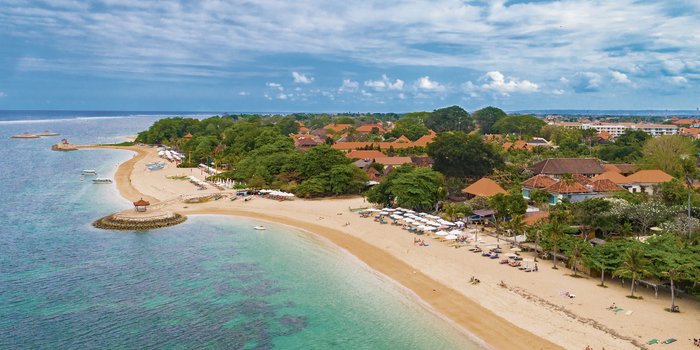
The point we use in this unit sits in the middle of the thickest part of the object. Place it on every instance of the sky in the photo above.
(348, 56)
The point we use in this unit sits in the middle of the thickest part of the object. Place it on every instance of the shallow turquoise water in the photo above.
(213, 282)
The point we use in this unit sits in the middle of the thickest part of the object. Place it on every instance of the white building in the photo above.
(617, 129)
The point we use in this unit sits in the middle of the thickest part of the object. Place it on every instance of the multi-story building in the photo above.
(617, 129)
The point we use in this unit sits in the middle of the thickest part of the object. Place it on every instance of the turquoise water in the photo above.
(213, 282)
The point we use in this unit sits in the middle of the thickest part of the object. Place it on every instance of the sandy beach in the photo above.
(528, 312)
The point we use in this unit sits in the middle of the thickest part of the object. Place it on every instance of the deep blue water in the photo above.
(212, 282)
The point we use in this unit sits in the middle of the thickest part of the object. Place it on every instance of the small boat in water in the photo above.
(89, 172)
(259, 227)
(48, 133)
(26, 135)
(101, 181)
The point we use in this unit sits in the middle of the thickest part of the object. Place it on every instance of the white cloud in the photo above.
(3, 94)
(558, 92)
(243, 93)
(275, 86)
(402, 96)
(365, 93)
(620, 77)
(680, 80)
(348, 86)
(585, 82)
(301, 78)
(495, 81)
(385, 84)
(424, 83)
(282, 96)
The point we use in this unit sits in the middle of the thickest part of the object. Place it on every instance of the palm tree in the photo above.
(556, 233)
(576, 255)
(674, 274)
(516, 224)
(634, 266)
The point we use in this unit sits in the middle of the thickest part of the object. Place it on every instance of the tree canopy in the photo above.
(487, 117)
(521, 125)
(456, 154)
(452, 118)
(409, 187)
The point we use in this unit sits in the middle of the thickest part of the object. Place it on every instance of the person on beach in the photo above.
(612, 307)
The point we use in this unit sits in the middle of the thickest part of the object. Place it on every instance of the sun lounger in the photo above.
(618, 310)
(653, 341)
(669, 341)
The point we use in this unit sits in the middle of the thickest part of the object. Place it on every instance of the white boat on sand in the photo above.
(259, 227)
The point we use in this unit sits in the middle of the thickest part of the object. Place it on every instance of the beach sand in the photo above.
(528, 313)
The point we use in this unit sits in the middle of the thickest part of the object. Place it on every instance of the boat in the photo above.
(89, 172)
(100, 180)
(48, 133)
(259, 227)
(25, 135)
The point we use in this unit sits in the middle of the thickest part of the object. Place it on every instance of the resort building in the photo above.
(646, 181)
(617, 129)
(556, 167)
(484, 187)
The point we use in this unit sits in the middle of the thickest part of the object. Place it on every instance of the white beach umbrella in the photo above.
(428, 228)
(441, 233)
(451, 237)
(456, 232)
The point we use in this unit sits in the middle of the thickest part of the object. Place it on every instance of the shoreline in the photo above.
(477, 323)
(528, 313)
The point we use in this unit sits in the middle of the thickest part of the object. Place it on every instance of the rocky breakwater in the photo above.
(139, 221)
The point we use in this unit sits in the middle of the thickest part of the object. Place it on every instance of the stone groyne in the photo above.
(139, 221)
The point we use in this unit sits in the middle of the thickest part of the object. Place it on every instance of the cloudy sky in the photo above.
(319, 55)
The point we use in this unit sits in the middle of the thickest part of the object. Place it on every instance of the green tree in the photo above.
(487, 117)
(577, 252)
(632, 138)
(540, 198)
(521, 125)
(410, 126)
(456, 154)
(346, 178)
(634, 266)
(666, 153)
(606, 257)
(409, 187)
(288, 125)
(452, 118)
(555, 231)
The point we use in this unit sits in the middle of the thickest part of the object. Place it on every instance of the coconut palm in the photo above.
(634, 266)
(576, 255)
(674, 274)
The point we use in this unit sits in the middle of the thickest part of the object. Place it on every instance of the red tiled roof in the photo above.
(605, 185)
(612, 176)
(362, 154)
(484, 187)
(560, 166)
(649, 176)
(539, 181)
(563, 187)
(367, 128)
(393, 160)
(141, 203)
(533, 218)
(581, 179)
(424, 140)
(337, 127)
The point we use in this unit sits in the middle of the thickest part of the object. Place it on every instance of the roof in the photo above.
(141, 203)
(337, 127)
(369, 154)
(362, 163)
(581, 179)
(563, 187)
(424, 140)
(393, 160)
(605, 185)
(560, 166)
(484, 212)
(367, 128)
(539, 181)
(685, 121)
(621, 168)
(649, 176)
(346, 146)
(484, 187)
(534, 217)
(307, 141)
(612, 176)
(188, 136)
(402, 139)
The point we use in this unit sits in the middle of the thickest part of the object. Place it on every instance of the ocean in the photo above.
(212, 282)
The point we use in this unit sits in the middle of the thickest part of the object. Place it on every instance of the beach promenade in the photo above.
(527, 311)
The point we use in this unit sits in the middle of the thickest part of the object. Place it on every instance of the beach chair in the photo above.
(669, 340)
(653, 341)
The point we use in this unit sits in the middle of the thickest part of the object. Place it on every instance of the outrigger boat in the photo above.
(89, 172)
(102, 181)
(259, 227)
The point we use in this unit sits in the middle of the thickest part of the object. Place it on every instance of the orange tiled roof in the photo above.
(539, 181)
(484, 187)
(563, 187)
(613, 176)
(685, 121)
(424, 140)
(649, 176)
(393, 160)
(581, 179)
(365, 154)
(605, 185)
(533, 218)
(367, 128)
(337, 127)
(402, 139)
